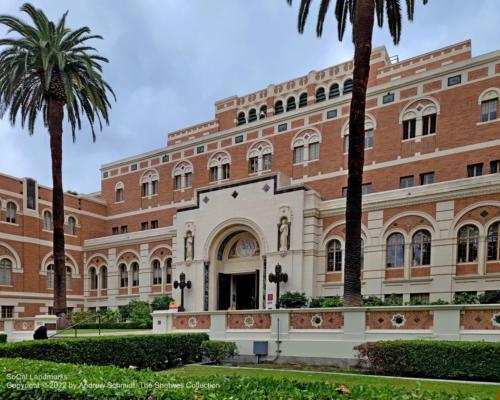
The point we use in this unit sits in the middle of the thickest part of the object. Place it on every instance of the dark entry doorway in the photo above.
(240, 291)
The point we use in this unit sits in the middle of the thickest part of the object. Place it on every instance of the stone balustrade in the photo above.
(328, 335)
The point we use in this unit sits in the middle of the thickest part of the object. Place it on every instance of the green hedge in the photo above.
(39, 380)
(434, 359)
(3, 338)
(141, 351)
(218, 350)
(116, 325)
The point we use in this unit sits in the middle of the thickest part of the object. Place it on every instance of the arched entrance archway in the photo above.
(236, 263)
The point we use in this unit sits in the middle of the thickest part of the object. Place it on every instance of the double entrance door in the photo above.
(238, 291)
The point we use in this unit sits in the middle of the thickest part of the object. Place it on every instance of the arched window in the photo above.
(168, 271)
(334, 91)
(278, 107)
(50, 276)
(93, 278)
(69, 277)
(5, 271)
(72, 226)
(493, 240)
(320, 95)
(156, 273)
(219, 166)
(290, 104)
(419, 118)
(47, 220)
(119, 192)
(11, 212)
(370, 125)
(149, 183)
(303, 100)
(260, 157)
(421, 248)
(306, 146)
(252, 115)
(263, 112)
(395, 250)
(489, 104)
(333, 256)
(241, 118)
(123, 276)
(347, 86)
(104, 277)
(183, 175)
(135, 274)
(468, 238)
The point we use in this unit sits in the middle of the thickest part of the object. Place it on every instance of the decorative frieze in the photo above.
(414, 319)
(316, 320)
(480, 319)
(192, 321)
(248, 321)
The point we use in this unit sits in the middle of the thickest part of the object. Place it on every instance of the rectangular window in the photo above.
(331, 114)
(115, 230)
(189, 179)
(454, 80)
(133, 167)
(344, 191)
(144, 226)
(225, 171)
(494, 167)
(388, 98)
(154, 187)
(145, 189)
(267, 162)
(178, 181)
(406, 182)
(200, 149)
(314, 151)
(429, 124)
(165, 158)
(105, 174)
(214, 173)
(409, 128)
(119, 195)
(7, 311)
(253, 165)
(489, 110)
(427, 178)
(418, 299)
(238, 139)
(30, 194)
(298, 155)
(154, 224)
(124, 229)
(369, 138)
(367, 188)
(474, 170)
(282, 127)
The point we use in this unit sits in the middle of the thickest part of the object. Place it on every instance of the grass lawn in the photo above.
(85, 331)
(482, 391)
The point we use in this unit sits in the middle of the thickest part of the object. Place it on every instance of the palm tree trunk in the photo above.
(363, 30)
(56, 114)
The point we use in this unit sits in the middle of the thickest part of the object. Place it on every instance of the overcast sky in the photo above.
(170, 60)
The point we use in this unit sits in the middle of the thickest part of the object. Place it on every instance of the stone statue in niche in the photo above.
(284, 231)
(189, 246)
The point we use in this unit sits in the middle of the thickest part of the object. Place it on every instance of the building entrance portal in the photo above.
(238, 272)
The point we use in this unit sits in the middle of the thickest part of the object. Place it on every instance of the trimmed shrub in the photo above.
(142, 351)
(161, 302)
(465, 298)
(293, 300)
(434, 359)
(218, 350)
(116, 325)
(325, 302)
(3, 338)
(91, 383)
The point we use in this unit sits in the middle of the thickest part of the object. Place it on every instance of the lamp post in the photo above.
(278, 277)
(182, 284)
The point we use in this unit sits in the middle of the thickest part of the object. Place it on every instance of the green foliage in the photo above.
(114, 325)
(439, 302)
(90, 383)
(218, 350)
(437, 359)
(109, 316)
(161, 302)
(3, 338)
(372, 301)
(325, 302)
(293, 300)
(465, 298)
(142, 351)
(140, 313)
(80, 316)
(490, 297)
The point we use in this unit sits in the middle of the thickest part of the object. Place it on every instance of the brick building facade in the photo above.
(264, 183)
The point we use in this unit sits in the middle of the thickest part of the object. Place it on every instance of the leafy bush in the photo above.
(142, 351)
(90, 383)
(490, 297)
(372, 301)
(140, 313)
(439, 302)
(115, 325)
(161, 302)
(293, 300)
(3, 338)
(218, 350)
(333, 301)
(109, 316)
(434, 359)
(465, 298)
(79, 316)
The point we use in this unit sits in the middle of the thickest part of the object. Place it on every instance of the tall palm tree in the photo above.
(361, 14)
(49, 69)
